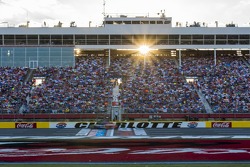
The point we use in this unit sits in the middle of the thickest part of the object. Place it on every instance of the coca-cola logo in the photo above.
(221, 124)
(25, 125)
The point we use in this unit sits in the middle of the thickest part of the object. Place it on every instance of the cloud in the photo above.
(83, 11)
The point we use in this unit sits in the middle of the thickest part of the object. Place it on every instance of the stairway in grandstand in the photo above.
(115, 108)
(176, 62)
(27, 78)
(204, 101)
(29, 75)
(245, 62)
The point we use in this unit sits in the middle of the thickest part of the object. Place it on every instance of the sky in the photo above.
(17, 12)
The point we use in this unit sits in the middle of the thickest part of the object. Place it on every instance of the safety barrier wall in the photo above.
(131, 124)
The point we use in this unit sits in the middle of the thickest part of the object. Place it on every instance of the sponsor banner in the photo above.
(221, 124)
(132, 124)
(25, 125)
(162, 125)
(61, 125)
(193, 125)
(97, 132)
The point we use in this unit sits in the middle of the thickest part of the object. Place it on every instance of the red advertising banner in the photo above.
(221, 124)
(25, 125)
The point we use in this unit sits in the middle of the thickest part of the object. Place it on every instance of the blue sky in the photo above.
(17, 12)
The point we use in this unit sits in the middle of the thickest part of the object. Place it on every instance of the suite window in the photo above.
(56, 39)
(162, 37)
(115, 42)
(244, 36)
(138, 40)
(117, 22)
(162, 40)
(208, 39)
(44, 39)
(144, 22)
(32, 39)
(103, 42)
(173, 39)
(20, 39)
(221, 36)
(127, 37)
(127, 22)
(150, 37)
(186, 39)
(115, 37)
(135, 22)
(138, 37)
(233, 41)
(197, 42)
(80, 40)
(103, 39)
(1, 40)
(9, 40)
(109, 22)
(68, 40)
(103, 36)
(197, 36)
(221, 42)
(91, 36)
(208, 36)
(244, 39)
(91, 42)
(233, 36)
(127, 42)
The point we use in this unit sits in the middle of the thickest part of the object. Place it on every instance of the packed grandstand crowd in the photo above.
(158, 87)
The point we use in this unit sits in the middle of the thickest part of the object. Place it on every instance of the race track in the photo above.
(151, 132)
(120, 145)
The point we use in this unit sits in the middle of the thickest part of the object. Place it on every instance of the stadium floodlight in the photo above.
(144, 49)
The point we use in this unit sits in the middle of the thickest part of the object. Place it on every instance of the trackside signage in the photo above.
(132, 124)
(221, 124)
(25, 125)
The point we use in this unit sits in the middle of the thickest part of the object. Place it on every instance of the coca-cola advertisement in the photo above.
(221, 124)
(25, 125)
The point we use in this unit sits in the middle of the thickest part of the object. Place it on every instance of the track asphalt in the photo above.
(150, 132)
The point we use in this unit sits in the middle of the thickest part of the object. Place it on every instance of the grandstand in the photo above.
(93, 73)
